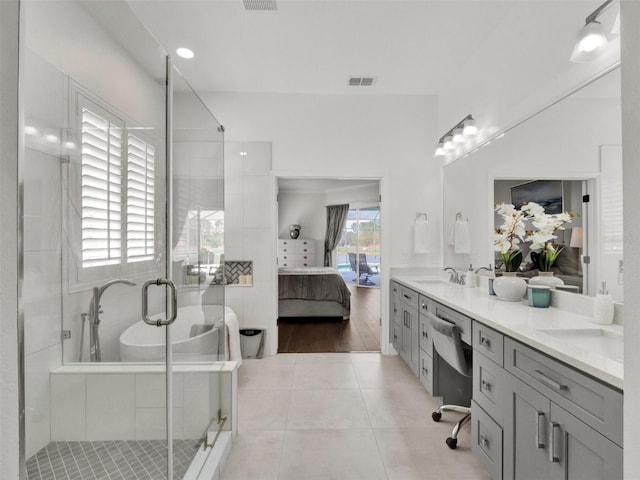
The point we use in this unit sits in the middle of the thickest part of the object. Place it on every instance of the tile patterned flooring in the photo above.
(115, 460)
(344, 416)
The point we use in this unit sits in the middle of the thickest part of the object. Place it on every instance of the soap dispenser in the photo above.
(603, 307)
(470, 277)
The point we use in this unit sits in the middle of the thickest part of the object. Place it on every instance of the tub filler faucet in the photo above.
(94, 319)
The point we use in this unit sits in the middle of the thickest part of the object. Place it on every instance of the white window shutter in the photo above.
(140, 200)
(101, 190)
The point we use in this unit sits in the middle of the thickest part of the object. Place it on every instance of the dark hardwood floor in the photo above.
(359, 334)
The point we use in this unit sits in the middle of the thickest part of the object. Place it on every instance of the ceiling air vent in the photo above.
(260, 5)
(361, 81)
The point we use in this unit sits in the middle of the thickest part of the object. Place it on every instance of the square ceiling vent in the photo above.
(260, 5)
(361, 81)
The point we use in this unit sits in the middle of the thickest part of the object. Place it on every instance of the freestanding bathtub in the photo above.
(195, 335)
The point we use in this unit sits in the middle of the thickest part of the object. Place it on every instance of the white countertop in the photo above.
(523, 323)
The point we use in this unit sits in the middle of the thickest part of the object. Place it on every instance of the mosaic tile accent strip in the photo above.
(233, 270)
(113, 460)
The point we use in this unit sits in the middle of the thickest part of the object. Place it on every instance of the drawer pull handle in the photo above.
(485, 385)
(425, 372)
(540, 430)
(425, 334)
(423, 306)
(484, 341)
(549, 382)
(406, 296)
(554, 454)
(484, 441)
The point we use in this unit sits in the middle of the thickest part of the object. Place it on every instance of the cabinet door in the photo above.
(579, 451)
(396, 337)
(526, 424)
(410, 340)
(395, 314)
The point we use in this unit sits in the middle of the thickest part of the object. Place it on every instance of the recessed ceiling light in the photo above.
(185, 52)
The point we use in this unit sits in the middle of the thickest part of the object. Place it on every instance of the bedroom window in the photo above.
(117, 190)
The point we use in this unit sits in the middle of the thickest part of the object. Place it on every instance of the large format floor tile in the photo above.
(343, 417)
(331, 454)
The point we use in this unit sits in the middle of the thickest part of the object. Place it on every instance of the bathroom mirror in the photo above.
(576, 140)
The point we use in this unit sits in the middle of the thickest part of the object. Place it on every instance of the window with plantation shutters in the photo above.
(101, 190)
(140, 199)
(117, 190)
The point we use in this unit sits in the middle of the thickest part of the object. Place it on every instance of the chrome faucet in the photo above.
(484, 268)
(453, 278)
(94, 318)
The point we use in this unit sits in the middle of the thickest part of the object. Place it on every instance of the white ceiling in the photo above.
(313, 46)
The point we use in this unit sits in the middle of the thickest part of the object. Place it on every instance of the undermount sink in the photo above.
(610, 343)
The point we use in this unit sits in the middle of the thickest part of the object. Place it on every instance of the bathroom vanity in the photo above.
(546, 386)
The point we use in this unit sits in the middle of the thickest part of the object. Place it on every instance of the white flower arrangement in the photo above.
(508, 237)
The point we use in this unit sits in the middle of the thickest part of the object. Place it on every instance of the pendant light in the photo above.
(592, 39)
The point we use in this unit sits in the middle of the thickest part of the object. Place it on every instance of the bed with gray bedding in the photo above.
(312, 292)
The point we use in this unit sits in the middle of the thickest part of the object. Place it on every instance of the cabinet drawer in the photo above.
(425, 304)
(409, 297)
(488, 386)
(594, 403)
(486, 440)
(462, 322)
(426, 343)
(425, 371)
(489, 342)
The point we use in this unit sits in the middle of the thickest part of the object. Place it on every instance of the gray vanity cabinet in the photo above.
(544, 441)
(405, 337)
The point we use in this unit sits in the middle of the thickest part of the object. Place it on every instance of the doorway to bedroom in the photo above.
(333, 305)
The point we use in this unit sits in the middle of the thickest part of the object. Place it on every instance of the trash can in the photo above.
(252, 342)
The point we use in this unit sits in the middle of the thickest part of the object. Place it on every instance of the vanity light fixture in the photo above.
(185, 52)
(591, 38)
(463, 130)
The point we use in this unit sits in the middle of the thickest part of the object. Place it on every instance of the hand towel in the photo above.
(421, 237)
(451, 239)
(462, 241)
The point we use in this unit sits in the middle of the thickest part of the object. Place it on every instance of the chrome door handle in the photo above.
(540, 430)
(145, 302)
(554, 455)
(549, 382)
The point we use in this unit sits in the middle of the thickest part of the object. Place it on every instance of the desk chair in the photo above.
(446, 341)
(362, 268)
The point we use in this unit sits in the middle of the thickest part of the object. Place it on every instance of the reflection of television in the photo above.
(547, 193)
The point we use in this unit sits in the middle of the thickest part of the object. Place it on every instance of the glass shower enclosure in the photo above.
(122, 221)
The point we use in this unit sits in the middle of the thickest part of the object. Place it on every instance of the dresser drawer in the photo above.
(425, 370)
(486, 440)
(596, 404)
(409, 297)
(462, 322)
(488, 342)
(488, 386)
(306, 248)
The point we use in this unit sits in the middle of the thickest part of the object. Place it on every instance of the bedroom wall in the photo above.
(306, 210)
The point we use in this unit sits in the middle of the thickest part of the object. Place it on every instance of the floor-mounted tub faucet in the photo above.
(94, 318)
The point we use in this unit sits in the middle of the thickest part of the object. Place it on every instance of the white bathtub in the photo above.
(146, 343)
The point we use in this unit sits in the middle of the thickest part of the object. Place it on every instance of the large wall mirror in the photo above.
(573, 147)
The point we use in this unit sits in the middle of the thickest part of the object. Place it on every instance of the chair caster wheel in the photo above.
(436, 416)
(452, 443)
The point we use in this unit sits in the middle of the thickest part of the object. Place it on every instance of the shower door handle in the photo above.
(145, 302)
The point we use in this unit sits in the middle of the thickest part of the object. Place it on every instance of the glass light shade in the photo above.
(440, 150)
(576, 237)
(457, 135)
(448, 143)
(591, 39)
(470, 128)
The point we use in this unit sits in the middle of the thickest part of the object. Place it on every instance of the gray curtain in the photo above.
(336, 218)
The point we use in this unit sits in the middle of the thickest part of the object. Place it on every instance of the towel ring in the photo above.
(420, 214)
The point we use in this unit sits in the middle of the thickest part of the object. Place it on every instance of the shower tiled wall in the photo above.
(249, 229)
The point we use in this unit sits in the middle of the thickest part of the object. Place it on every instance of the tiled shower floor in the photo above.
(114, 460)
